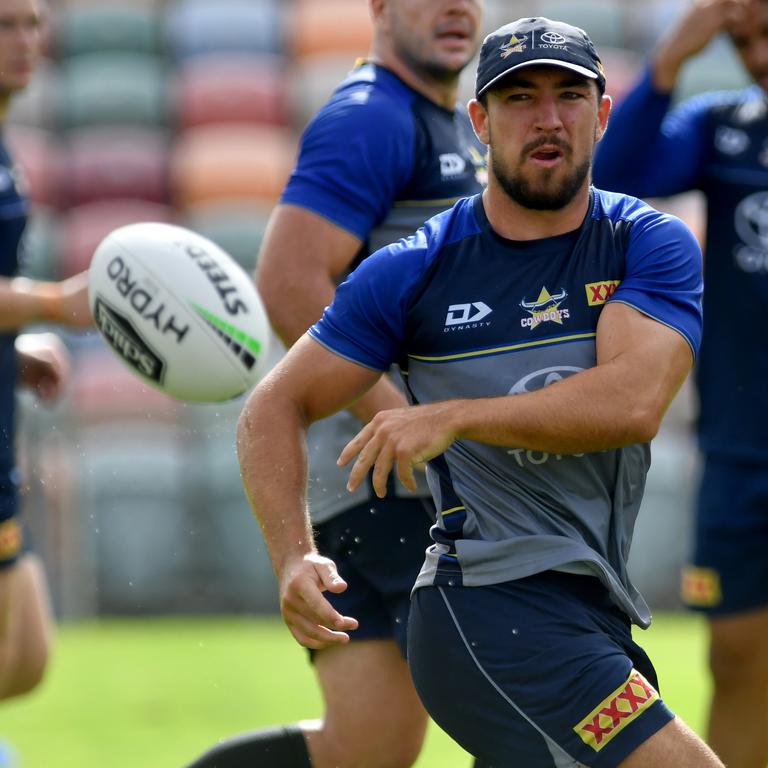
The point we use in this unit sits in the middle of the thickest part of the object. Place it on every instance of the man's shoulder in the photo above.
(370, 96)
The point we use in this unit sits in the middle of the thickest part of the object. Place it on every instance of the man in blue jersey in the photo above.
(388, 150)
(34, 361)
(718, 143)
(542, 329)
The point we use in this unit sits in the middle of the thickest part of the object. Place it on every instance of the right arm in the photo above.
(302, 257)
(309, 383)
(645, 152)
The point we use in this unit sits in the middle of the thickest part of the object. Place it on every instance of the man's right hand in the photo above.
(312, 620)
(695, 29)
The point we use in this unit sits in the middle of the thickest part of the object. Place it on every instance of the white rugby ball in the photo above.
(179, 311)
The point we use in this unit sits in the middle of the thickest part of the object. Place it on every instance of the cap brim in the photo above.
(546, 62)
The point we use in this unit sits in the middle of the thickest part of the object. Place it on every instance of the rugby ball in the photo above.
(179, 312)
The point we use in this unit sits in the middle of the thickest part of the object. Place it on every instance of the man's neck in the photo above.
(442, 93)
(515, 222)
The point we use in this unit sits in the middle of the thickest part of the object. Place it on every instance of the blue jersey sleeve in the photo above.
(650, 152)
(366, 322)
(354, 157)
(664, 275)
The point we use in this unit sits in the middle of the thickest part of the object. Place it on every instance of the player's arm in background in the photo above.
(648, 151)
(646, 338)
(24, 301)
(42, 358)
(353, 158)
(301, 259)
(309, 383)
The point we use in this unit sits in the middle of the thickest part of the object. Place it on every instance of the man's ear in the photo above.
(478, 114)
(603, 113)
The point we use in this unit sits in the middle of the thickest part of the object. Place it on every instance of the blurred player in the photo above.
(38, 362)
(388, 150)
(718, 143)
(543, 328)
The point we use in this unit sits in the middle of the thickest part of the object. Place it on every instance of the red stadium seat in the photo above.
(83, 228)
(116, 163)
(231, 88)
(230, 162)
(329, 26)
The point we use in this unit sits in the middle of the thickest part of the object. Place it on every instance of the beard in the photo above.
(541, 196)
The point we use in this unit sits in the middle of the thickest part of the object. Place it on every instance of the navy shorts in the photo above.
(538, 672)
(378, 548)
(729, 569)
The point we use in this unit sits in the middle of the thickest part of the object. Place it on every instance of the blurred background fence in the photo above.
(189, 111)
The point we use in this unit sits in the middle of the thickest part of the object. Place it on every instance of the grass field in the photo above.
(154, 693)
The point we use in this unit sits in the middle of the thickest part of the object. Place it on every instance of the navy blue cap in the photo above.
(537, 40)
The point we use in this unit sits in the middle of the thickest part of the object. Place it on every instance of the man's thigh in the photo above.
(540, 672)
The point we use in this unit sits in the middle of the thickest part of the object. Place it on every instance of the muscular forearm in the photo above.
(595, 410)
(270, 447)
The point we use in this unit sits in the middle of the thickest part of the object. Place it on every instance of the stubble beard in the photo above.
(540, 196)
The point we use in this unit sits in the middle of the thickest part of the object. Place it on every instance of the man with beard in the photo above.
(718, 143)
(542, 328)
(389, 149)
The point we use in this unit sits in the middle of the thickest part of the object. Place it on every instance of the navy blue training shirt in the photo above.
(13, 218)
(466, 313)
(377, 160)
(716, 143)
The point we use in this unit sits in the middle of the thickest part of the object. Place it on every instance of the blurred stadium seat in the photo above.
(604, 21)
(107, 163)
(94, 29)
(230, 162)
(227, 88)
(197, 27)
(39, 255)
(112, 89)
(237, 228)
(84, 226)
(328, 26)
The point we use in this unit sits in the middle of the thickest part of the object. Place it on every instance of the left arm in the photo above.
(641, 364)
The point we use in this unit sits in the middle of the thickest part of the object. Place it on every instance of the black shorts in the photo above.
(541, 672)
(378, 548)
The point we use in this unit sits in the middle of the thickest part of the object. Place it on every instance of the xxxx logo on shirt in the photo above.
(598, 293)
(616, 711)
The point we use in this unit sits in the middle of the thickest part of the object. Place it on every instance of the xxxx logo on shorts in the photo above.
(10, 539)
(599, 293)
(701, 587)
(616, 711)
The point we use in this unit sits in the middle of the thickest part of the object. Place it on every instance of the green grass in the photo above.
(153, 693)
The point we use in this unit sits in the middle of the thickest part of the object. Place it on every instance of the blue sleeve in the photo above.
(366, 321)
(664, 275)
(648, 152)
(355, 156)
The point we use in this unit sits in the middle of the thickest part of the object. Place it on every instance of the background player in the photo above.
(389, 149)
(718, 143)
(35, 361)
(534, 411)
